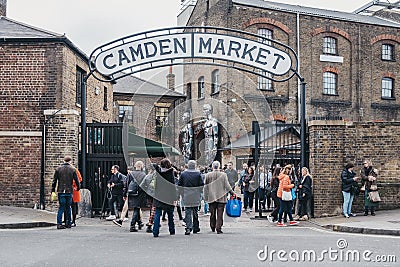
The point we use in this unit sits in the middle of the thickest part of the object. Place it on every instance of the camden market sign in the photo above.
(173, 46)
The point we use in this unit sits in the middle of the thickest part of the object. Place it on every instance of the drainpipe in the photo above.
(299, 84)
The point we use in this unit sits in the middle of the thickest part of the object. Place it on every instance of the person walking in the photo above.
(305, 192)
(348, 179)
(63, 180)
(136, 196)
(165, 195)
(232, 175)
(248, 193)
(273, 217)
(243, 173)
(285, 205)
(76, 198)
(216, 187)
(190, 188)
(368, 178)
(116, 185)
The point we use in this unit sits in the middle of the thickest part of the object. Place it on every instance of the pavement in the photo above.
(386, 222)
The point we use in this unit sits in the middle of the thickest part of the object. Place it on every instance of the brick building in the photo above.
(349, 62)
(41, 75)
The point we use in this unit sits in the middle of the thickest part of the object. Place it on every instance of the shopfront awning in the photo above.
(139, 146)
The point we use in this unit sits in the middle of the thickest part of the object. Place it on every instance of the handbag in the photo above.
(234, 207)
(54, 196)
(373, 187)
(293, 193)
(286, 195)
(374, 196)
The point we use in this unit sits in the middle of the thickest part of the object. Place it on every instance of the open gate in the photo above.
(104, 149)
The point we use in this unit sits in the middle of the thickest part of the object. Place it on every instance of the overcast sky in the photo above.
(90, 23)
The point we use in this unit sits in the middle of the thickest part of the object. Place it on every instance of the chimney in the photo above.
(171, 80)
(3, 8)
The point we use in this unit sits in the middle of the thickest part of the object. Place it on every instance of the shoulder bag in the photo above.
(286, 195)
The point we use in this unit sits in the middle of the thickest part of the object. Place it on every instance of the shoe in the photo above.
(279, 224)
(118, 222)
(141, 225)
(304, 218)
(187, 232)
(73, 224)
(163, 220)
(172, 233)
(245, 210)
(293, 223)
(68, 226)
(270, 219)
(60, 226)
(133, 229)
(373, 214)
(149, 229)
(111, 217)
(213, 230)
(352, 215)
(125, 219)
(346, 216)
(219, 232)
(366, 213)
(155, 235)
(296, 217)
(196, 231)
(183, 224)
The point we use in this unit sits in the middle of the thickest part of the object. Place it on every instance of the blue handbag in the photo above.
(234, 207)
(293, 194)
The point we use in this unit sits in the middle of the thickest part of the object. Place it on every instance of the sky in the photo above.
(91, 23)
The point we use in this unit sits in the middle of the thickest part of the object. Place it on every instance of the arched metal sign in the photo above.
(194, 45)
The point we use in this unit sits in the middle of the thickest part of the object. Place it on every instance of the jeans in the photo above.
(157, 217)
(65, 201)
(192, 222)
(347, 202)
(285, 206)
(120, 203)
(248, 199)
(135, 217)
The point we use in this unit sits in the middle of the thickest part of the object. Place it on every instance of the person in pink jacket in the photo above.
(285, 205)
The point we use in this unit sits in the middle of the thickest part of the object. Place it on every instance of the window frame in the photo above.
(391, 90)
(215, 86)
(80, 76)
(326, 46)
(200, 87)
(391, 55)
(105, 98)
(327, 90)
(265, 84)
(123, 116)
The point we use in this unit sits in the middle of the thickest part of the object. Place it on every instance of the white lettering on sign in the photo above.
(193, 45)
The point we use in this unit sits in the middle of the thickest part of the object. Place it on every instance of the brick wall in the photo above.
(334, 143)
(38, 79)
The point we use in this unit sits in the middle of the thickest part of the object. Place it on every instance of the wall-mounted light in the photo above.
(96, 90)
(233, 100)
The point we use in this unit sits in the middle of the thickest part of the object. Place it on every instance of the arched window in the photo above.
(387, 87)
(215, 82)
(200, 87)
(330, 83)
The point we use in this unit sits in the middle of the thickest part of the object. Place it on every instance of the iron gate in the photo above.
(104, 149)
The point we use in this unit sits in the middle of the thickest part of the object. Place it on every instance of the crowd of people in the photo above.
(284, 191)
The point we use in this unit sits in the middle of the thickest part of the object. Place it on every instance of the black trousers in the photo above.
(217, 215)
(120, 203)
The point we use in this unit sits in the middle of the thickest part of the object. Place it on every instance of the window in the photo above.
(387, 87)
(265, 33)
(105, 106)
(330, 46)
(80, 76)
(215, 82)
(330, 83)
(125, 113)
(200, 89)
(263, 82)
(162, 115)
(387, 52)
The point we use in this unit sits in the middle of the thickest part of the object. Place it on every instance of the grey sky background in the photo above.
(91, 23)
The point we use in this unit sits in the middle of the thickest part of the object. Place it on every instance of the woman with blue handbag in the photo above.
(285, 195)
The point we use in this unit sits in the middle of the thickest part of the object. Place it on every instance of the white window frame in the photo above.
(387, 87)
(330, 83)
(330, 45)
(215, 82)
(388, 52)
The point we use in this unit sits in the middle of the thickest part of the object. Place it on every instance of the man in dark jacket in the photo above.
(232, 175)
(348, 179)
(136, 196)
(63, 177)
(190, 188)
(116, 185)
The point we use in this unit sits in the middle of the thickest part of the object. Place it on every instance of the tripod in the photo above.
(107, 195)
